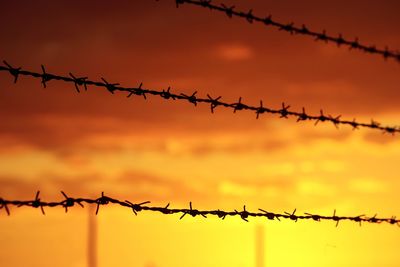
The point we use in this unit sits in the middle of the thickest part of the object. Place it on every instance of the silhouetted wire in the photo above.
(214, 102)
(68, 202)
(292, 29)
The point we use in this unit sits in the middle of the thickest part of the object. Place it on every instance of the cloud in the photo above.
(133, 185)
(163, 189)
(316, 188)
(49, 184)
(239, 146)
(368, 186)
(234, 52)
(379, 138)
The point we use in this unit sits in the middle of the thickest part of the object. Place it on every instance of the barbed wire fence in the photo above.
(213, 102)
(136, 208)
(292, 29)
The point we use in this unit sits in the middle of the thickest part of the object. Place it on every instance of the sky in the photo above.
(55, 139)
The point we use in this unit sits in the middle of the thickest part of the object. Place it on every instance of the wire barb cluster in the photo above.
(214, 102)
(292, 29)
(68, 202)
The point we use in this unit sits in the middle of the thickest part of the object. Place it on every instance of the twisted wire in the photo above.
(214, 102)
(292, 29)
(136, 208)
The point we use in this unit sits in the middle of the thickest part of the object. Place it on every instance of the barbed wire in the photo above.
(292, 29)
(214, 102)
(244, 214)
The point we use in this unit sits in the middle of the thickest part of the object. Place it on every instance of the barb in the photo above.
(290, 28)
(283, 112)
(143, 206)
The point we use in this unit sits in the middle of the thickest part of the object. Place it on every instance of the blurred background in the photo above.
(172, 152)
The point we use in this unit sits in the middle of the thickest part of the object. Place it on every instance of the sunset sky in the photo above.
(55, 139)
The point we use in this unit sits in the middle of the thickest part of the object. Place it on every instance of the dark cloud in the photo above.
(379, 138)
(238, 147)
(49, 184)
(339, 135)
(143, 41)
(134, 185)
(24, 104)
(156, 188)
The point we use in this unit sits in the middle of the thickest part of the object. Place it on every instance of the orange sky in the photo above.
(54, 139)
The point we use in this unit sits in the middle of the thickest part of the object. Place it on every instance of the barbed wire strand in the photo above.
(214, 102)
(136, 208)
(292, 29)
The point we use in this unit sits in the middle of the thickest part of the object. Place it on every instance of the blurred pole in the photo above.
(92, 237)
(260, 249)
